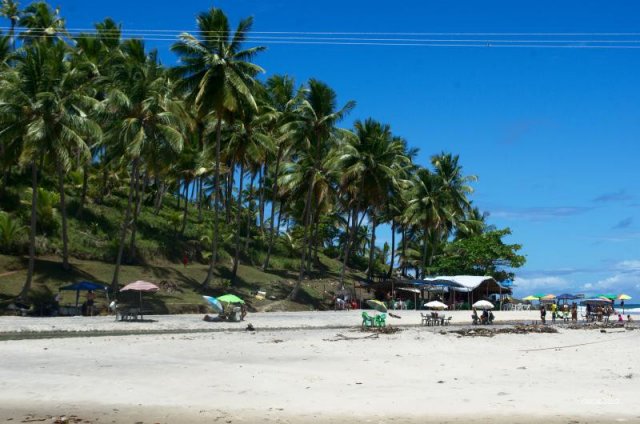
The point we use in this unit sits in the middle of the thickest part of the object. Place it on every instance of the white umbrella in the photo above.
(434, 304)
(483, 304)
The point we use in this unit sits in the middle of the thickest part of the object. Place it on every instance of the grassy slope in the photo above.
(92, 248)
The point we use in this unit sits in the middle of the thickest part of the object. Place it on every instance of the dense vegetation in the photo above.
(106, 154)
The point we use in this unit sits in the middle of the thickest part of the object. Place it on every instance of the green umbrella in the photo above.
(230, 298)
(608, 296)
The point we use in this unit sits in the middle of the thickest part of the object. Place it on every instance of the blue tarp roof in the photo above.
(85, 285)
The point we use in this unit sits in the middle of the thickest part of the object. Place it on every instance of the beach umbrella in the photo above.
(84, 285)
(548, 297)
(141, 286)
(608, 296)
(230, 298)
(623, 297)
(434, 304)
(214, 303)
(377, 305)
(483, 304)
(530, 298)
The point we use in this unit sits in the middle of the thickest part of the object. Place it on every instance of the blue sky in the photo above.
(551, 133)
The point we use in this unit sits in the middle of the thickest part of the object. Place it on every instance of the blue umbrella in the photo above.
(84, 285)
(214, 303)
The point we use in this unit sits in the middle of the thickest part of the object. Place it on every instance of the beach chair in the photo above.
(380, 320)
(447, 321)
(426, 319)
(367, 320)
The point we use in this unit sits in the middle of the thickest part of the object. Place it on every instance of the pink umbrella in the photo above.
(141, 286)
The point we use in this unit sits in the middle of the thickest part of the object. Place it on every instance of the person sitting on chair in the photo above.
(474, 316)
(485, 317)
(491, 317)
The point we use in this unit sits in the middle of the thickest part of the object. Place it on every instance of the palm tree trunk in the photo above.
(249, 215)
(236, 257)
(262, 181)
(136, 212)
(63, 210)
(32, 231)
(316, 243)
(125, 225)
(85, 186)
(347, 246)
(229, 195)
(200, 197)
(404, 251)
(178, 195)
(393, 247)
(305, 218)
(186, 206)
(372, 246)
(274, 196)
(216, 188)
(424, 252)
(157, 204)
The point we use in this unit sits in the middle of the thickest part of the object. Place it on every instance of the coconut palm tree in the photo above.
(42, 24)
(284, 99)
(428, 207)
(10, 9)
(144, 117)
(372, 163)
(45, 108)
(216, 73)
(315, 132)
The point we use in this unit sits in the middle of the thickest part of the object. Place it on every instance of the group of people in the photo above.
(555, 313)
(486, 317)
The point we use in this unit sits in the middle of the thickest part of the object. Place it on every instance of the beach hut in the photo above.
(475, 286)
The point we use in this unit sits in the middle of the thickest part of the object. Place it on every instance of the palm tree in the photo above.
(315, 132)
(42, 24)
(144, 114)
(216, 74)
(10, 9)
(428, 207)
(372, 163)
(45, 109)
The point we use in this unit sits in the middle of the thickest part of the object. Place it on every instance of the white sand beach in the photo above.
(315, 367)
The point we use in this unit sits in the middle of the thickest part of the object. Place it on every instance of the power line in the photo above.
(362, 41)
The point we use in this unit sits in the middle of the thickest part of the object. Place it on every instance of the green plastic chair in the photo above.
(367, 320)
(381, 320)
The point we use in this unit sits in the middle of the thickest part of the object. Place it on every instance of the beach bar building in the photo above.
(471, 287)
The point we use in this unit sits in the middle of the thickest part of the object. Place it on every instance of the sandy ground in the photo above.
(295, 370)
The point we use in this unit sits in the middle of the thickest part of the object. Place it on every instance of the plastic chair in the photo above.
(367, 320)
(380, 320)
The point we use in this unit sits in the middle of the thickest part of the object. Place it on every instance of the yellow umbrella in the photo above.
(623, 297)
(530, 298)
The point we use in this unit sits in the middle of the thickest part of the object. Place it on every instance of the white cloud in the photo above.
(549, 284)
(633, 265)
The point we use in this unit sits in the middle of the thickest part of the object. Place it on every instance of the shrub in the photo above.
(10, 233)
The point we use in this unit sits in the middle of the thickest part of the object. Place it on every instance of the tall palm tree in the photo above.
(284, 99)
(10, 9)
(372, 165)
(315, 131)
(42, 24)
(216, 73)
(428, 207)
(144, 117)
(45, 108)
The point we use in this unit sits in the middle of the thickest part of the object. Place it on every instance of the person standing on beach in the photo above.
(91, 297)
(543, 314)
(574, 312)
(554, 313)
